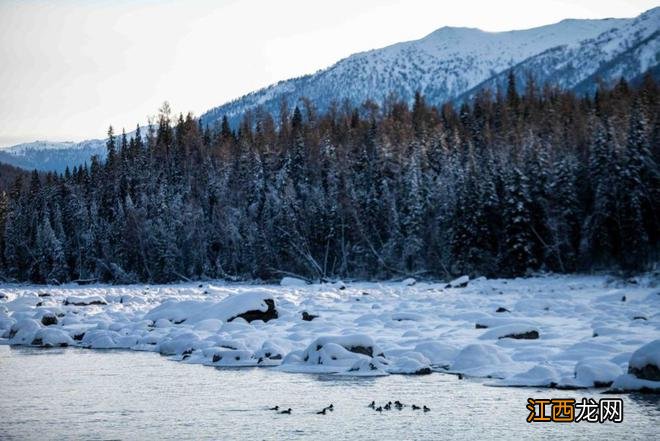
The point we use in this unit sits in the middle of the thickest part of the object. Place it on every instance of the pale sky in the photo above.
(69, 68)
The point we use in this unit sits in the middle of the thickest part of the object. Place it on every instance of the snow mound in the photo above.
(292, 282)
(596, 372)
(256, 305)
(538, 376)
(23, 331)
(480, 360)
(438, 353)
(52, 337)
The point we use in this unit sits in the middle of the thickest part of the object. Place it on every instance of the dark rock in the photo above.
(216, 358)
(44, 294)
(530, 335)
(649, 372)
(200, 286)
(178, 322)
(84, 303)
(623, 299)
(78, 337)
(39, 304)
(501, 309)
(308, 317)
(639, 317)
(37, 342)
(480, 326)
(270, 314)
(48, 319)
(595, 335)
(369, 351)
(603, 383)
(423, 371)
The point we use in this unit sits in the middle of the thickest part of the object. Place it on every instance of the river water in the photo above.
(81, 394)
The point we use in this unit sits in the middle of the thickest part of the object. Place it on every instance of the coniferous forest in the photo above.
(515, 181)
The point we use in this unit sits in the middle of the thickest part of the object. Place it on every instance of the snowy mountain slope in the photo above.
(52, 156)
(451, 61)
(627, 50)
(448, 64)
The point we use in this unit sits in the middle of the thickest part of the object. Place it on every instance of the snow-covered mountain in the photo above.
(451, 62)
(52, 156)
(448, 64)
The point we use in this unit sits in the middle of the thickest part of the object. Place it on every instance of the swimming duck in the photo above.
(321, 412)
(415, 407)
(372, 405)
(388, 406)
(275, 408)
(379, 409)
(287, 412)
(331, 407)
(426, 409)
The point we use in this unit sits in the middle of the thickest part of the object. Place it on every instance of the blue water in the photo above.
(80, 394)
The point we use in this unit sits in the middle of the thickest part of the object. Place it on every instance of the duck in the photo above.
(388, 406)
(286, 412)
(372, 405)
(415, 407)
(426, 409)
(331, 407)
(275, 408)
(379, 409)
(321, 412)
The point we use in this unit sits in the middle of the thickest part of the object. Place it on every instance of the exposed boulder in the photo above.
(306, 316)
(49, 319)
(259, 314)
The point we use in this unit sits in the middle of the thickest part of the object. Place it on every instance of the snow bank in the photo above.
(586, 333)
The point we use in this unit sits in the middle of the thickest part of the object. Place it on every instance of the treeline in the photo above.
(511, 182)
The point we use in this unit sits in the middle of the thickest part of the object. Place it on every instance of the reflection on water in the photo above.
(81, 394)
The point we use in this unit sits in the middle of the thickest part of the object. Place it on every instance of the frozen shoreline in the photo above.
(552, 331)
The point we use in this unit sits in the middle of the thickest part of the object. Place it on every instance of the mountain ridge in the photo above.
(448, 64)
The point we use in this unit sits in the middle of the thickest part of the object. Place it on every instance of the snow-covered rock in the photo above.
(292, 282)
(256, 305)
(596, 372)
(23, 332)
(645, 362)
(335, 353)
(52, 337)
(461, 282)
(85, 301)
(480, 360)
(516, 331)
(538, 376)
